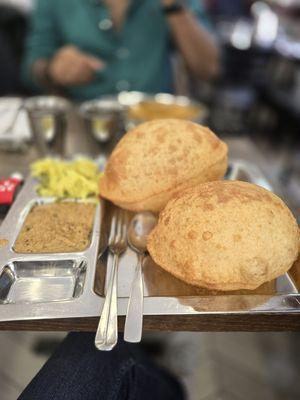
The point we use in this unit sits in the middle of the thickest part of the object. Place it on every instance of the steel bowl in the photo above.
(47, 115)
(130, 99)
(103, 117)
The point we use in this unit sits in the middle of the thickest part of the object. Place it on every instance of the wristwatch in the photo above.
(175, 8)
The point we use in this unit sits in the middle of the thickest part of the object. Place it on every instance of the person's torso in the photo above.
(136, 57)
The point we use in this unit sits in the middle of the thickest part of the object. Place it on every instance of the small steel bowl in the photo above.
(103, 117)
(48, 114)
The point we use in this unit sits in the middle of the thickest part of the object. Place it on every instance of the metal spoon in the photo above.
(140, 227)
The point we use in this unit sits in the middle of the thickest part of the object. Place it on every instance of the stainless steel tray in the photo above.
(74, 285)
(44, 285)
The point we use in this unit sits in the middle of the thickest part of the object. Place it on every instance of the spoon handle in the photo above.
(134, 318)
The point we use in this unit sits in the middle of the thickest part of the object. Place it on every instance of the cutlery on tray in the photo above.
(107, 332)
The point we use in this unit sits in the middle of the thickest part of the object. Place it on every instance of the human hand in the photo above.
(71, 67)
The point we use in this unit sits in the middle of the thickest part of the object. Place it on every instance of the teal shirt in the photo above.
(136, 58)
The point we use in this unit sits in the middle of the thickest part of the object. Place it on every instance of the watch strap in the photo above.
(175, 8)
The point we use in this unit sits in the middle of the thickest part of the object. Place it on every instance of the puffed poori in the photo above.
(158, 159)
(225, 235)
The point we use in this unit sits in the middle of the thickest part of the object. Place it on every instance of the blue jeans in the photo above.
(77, 371)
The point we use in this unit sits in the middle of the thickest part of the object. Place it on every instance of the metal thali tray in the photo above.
(68, 285)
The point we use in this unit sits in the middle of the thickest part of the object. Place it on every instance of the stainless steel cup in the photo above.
(47, 117)
(103, 118)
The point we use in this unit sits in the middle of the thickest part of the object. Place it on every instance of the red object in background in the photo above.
(8, 189)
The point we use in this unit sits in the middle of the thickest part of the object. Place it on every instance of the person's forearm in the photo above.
(195, 43)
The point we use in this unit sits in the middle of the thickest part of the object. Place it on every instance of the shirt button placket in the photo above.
(122, 53)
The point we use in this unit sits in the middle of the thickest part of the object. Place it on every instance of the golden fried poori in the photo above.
(225, 235)
(158, 159)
